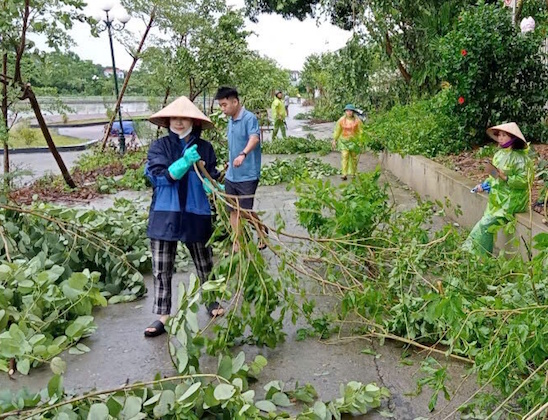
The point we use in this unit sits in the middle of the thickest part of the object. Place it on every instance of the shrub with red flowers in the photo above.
(496, 73)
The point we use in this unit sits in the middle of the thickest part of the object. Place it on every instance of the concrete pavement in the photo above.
(120, 352)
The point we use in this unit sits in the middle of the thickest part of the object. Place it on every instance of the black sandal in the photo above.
(215, 306)
(159, 329)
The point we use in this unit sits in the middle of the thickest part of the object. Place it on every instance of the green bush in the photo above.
(296, 145)
(97, 158)
(302, 116)
(287, 170)
(418, 128)
(326, 110)
(25, 134)
(497, 75)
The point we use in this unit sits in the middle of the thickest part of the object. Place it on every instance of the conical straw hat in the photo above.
(511, 128)
(180, 107)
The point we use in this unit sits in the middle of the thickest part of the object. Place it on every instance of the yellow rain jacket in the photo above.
(278, 109)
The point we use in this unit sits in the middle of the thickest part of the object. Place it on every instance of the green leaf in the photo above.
(238, 362)
(55, 386)
(224, 392)
(266, 406)
(225, 367)
(79, 349)
(98, 411)
(23, 366)
(320, 409)
(281, 400)
(193, 389)
(132, 407)
(58, 366)
(167, 401)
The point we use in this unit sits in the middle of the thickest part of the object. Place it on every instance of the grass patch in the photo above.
(26, 137)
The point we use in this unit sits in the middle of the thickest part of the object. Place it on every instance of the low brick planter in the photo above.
(436, 182)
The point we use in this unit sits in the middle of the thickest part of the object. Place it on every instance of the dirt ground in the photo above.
(471, 165)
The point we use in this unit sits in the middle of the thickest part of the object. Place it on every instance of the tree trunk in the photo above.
(401, 67)
(5, 121)
(126, 81)
(164, 103)
(519, 8)
(29, 94)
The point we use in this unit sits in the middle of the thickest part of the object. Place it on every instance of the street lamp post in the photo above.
(109, 24)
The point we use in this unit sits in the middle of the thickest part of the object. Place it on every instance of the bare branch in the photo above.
(22, 45)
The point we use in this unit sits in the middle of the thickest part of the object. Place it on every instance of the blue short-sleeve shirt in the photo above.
(239, 131)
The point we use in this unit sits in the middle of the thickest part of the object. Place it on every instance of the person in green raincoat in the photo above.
(278, 115)
(508, 185)
(345, 139)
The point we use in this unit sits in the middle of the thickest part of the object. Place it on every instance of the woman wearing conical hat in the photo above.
(510, 177)
(345, 138)
(180, 209)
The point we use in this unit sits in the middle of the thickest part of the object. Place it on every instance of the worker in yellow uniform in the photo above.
(278, 115)
(346, 139)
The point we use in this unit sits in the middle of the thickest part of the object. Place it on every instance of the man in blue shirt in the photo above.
(244, 159)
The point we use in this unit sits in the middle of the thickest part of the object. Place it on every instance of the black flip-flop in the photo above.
(159, 329)
(212, 307)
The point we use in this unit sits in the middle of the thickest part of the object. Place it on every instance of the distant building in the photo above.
(119, 72)
(295, 77)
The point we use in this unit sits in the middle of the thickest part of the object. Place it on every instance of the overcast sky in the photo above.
(288, 42)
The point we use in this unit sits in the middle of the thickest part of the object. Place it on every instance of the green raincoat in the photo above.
(505, 198)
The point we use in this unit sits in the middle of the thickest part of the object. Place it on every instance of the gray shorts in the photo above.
(242, 188)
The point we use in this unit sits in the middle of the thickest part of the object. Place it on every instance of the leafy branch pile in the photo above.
(96, 172)
(393, 277)
(296, 145)
(101, 167)
(192, 394)
(56, 264)
(287, 170)
(43, 311)
(404, 282)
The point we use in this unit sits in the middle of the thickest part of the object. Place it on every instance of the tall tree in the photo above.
(49, 18)
(198, 45)
(405, 29)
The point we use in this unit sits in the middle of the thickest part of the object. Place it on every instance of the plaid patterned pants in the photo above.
(163, 260)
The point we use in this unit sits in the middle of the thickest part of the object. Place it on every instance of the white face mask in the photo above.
(185, 133)
(182, 134)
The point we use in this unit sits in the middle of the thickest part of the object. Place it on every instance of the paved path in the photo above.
(120, 353)
(36, 165)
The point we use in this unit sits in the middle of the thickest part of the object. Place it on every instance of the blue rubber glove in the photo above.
(181, 166)
(485, 187)
(208, 186)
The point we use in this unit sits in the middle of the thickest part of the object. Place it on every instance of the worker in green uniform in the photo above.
(510, 178)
